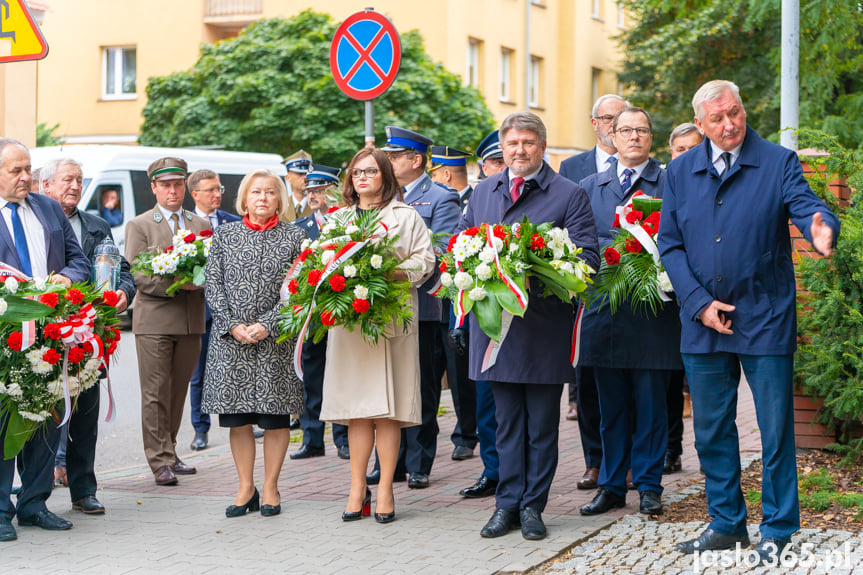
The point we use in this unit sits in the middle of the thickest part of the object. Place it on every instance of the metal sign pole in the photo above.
(370, 123)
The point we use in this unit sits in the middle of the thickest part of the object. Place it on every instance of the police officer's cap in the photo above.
(322, 176)
(446, 156)
(299, 162)
(400, 140)
(490, 148)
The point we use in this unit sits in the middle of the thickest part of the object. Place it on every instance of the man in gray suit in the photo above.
(584, 403)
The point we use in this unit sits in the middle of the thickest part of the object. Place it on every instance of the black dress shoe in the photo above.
(365, 510)
(604, 501)
(460, 453)
(385, 517)
(271, 510)
(295, 423)
(343, 451)
(7, 531)
(180, 468)
(672, 463)
(418, 481)
(253, 504)
(532, 526)
(374, 477)
(482, 488)
(770, 550)
(46, 520)
(89, 505)
(712, 540)
(200, 441)
(307, 451)
(502, 522)
(651, 503)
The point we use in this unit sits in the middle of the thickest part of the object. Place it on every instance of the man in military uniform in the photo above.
(298, 165)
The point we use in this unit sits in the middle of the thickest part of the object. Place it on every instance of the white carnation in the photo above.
(55, 388)
(446, 279)
(477, 294)
(483, 271)
(349, 271)
(462, 280)
(305, 243)
(327, 256)
(327, 229)
(513, 247)
(487, 255)
(14, 390)
(377, 261)
(11, 284)
(665, 282)
(3, 306)
(314, 245)
(475, 244)
(361, 292)
(497, 243)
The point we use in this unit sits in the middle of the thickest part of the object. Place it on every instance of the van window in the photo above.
(107, 203)
(144, 198)
(232, 184)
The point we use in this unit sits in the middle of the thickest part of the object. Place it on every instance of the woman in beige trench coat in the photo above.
(375, 390)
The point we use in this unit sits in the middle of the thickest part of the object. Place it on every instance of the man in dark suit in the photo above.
(320, 182)
(36, 238)
(449, 168)
(527, 389)
(725, 243)
(583, 396)
(439, 209)
(62, 180)
(207, 191)
(632, 354)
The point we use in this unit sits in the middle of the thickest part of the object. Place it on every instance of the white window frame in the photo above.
(505, 72)
(535, 80)
(595, 79)
(596, 8)
(119, 60)
(471, 75)
(621, 16)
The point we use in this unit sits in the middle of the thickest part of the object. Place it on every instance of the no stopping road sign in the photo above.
(365, 55)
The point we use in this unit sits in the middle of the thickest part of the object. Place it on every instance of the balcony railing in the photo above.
(232, 8)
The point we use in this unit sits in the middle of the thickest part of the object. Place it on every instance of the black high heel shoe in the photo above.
(253, 504)
(386, 517)
(271, 510)
(364, 512)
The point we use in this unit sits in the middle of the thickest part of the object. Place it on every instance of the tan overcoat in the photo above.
(362, 381)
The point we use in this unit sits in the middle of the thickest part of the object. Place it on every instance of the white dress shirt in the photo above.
(168, 214)
(634, 177)
(35, 233)
(212, 218)
(717, 152)
(603, 160)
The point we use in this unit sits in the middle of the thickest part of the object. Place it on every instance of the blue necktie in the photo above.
(627, 179)
(726, 157)
(20, 240)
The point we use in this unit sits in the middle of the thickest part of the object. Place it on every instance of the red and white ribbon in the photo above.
(575, 349)
(643, 238)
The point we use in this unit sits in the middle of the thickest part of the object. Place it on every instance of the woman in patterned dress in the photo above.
(250, 379)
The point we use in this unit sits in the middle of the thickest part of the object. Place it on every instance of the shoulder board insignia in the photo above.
(188, 215)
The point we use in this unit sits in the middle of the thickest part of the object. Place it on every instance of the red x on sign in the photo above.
(365, 55)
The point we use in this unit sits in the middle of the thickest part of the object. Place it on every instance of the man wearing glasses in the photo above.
(583, 396)
(207, 192)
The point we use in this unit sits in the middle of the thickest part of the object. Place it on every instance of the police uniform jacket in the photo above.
(727, 239)
(537, 348)
(626, 339)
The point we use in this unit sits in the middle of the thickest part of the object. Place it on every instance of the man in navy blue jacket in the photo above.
(725, 243)
(534, 359)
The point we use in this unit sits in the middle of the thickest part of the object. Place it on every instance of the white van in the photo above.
(124, 169)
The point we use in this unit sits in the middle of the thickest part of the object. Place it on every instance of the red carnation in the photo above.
(190, 238)
(634, 216)
(472, 231)
(442, 266)
(206, 233)
(304, 254)
(361, 305)
(653, 219)
(76, 354)
(648, 228)
(51, 356)
(499, 232)
(314, 277)
(616, 223)
(333, 209)
(49, 299)
(632, 245)
(14, 341)
(337, 282)
(169, 249)
(612, 256)
(327, 318)
(293, 286)
(452, 242)
(112, 347)
(52, 331)
(537, 242)
(110, 298)
(638, 193)
(75, 296)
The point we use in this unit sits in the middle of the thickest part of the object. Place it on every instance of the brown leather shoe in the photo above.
(591, 475)
(572, 412)
(687, 405)
(181, 468)
(164, 476)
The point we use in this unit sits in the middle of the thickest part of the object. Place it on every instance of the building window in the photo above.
(595, 76)
(621, 16)
(471, 76)
(534, 79)
(505, 74)
(596, 10)
(119, 74)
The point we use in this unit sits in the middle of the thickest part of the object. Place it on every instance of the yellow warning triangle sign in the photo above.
(20, 36)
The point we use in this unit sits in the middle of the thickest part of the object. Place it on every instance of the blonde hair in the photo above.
(243, 193)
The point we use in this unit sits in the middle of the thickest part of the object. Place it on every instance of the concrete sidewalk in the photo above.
(183, 529)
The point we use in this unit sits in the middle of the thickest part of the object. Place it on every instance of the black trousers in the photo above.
(81, 445)
(674, 406)
(36, 467)
(588, 416)
(314, 361)
(463, 391)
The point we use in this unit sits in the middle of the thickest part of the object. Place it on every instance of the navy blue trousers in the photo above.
(528, 418)
(713, 382)
(200, 420)
(634, 427)
(314, 361)
(588, 416)
(36, 467)
(486, 427)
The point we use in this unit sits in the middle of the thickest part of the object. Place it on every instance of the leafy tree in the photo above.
(677, 45)
(45, 135)
(271, 90)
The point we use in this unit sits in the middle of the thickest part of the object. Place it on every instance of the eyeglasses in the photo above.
(626, 132)
(357, 173)
(606, 119)
(219, 190)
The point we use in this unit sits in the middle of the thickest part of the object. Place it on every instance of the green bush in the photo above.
(829, 361)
